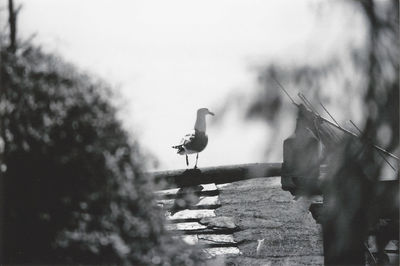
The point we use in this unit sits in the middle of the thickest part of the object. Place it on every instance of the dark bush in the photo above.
(72, 181)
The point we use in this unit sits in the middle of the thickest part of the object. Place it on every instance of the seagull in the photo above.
(197, 140)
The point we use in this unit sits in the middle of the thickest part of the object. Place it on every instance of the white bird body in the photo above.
(197, 140)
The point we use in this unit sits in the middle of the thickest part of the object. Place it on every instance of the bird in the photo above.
(195, 141)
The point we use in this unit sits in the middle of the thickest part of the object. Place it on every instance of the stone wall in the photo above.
(274, 229)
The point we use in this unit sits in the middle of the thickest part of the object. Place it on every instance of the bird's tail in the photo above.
(179, 148)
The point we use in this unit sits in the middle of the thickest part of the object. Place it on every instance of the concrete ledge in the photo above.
(217, 175)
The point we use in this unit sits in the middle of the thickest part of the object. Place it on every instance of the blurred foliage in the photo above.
(73, 186)
(360, 84)
(353, 199)
(366, 78)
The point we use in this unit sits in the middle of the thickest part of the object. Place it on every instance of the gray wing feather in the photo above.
(187, 139)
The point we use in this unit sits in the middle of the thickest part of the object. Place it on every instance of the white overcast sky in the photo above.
(168, 58)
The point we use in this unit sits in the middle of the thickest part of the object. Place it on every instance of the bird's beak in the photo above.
(210, 113)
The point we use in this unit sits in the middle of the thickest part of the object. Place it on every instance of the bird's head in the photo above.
(204, 112)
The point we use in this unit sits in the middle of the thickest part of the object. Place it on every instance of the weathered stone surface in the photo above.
(190, 239)
(168, 203)
(274, 229)
(191, 214)
(288, 261)
(185, 226)
(225, 251)
(216, 239)
(254, 223)
(219, 222)
(209, 201)
(206, 189)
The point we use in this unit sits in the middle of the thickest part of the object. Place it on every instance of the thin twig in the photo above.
(280, 85)
(309, 103)
(379, 152)
(326, 110)
(306, 101)
(330, 123)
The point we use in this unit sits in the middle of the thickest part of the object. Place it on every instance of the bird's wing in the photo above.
(187, 138)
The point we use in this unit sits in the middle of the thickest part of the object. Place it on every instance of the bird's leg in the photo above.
(187, 160)
(197, 157)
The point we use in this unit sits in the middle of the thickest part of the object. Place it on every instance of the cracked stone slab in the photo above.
(190, 239)
(216, 239)
(185, 226)
(219, 222)
(212, 252)
(186, 214)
